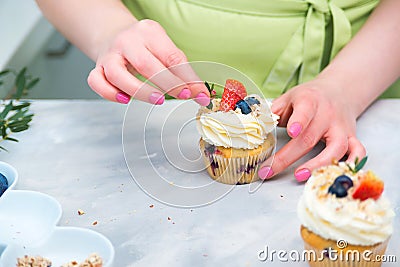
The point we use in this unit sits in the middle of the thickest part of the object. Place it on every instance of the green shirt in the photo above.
(276, 43)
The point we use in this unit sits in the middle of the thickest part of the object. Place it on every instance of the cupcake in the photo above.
(345, 219)
(236, 134)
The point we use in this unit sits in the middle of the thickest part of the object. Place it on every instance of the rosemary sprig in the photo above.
(358, 165)
(14, 114)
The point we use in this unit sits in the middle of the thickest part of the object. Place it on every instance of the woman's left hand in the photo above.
(312, 112)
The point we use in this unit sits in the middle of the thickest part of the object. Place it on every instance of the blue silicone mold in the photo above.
(28, 226)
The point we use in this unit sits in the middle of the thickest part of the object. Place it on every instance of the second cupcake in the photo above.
(345, 220)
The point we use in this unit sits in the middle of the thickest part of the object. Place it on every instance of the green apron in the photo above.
(276, 43)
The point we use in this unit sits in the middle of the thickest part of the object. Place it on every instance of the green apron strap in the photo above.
(314, 39)
(306, 47)
(341, 29)
(286, 65)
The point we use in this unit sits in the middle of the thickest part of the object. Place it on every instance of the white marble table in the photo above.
(74, 153)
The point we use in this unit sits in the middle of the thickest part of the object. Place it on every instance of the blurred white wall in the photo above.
(25, 40)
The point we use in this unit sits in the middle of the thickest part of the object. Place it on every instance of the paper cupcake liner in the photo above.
(235, 170)
(350, 255)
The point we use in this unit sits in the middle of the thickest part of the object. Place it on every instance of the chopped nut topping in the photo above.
(29, 261)
(93, 260)
(80, 212)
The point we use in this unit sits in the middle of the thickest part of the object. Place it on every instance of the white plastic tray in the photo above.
(28, 226)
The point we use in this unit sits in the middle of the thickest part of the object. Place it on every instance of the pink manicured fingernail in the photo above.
(122, 98)
(265, 173)
(202, 99)
(295, 129)
(184, 94)
(157, 98)
(302, 175)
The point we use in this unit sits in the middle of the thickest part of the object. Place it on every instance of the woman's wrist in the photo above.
(103, 39)
(370, 62)
(345, 90)
(87, 24)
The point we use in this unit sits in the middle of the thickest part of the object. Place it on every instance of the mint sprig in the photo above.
(358, 165)
(211, 90)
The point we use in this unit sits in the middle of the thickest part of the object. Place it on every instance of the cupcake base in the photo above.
(344, 254)
(235, 165)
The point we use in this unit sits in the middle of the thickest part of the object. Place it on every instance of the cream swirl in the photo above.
(234, 129)
(358, 222)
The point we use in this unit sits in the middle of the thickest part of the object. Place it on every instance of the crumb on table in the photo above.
(80, 212)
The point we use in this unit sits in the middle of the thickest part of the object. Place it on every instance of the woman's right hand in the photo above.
(144, 48)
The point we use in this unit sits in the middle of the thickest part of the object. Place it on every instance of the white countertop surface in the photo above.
(73, 152)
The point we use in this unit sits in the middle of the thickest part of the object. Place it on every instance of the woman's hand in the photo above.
(121, 46)
(327, 107)
(314, 111)
(144, 48)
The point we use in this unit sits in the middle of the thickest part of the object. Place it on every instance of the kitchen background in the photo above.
(27, 39)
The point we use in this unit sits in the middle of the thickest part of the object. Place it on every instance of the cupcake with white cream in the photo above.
(342, 210)
(236, 134)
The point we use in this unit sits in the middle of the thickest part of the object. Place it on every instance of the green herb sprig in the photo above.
(14, 113)
(358, 165)
(212, 93)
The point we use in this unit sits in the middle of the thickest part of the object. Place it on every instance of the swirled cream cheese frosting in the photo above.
(339, 203)
(235, 129)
